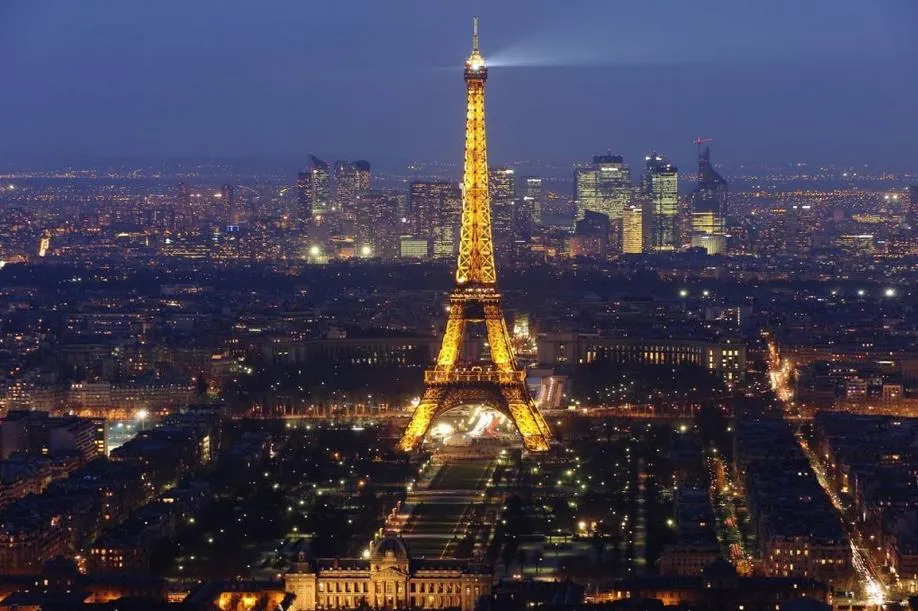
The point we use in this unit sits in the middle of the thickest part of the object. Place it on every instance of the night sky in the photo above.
(824, 81)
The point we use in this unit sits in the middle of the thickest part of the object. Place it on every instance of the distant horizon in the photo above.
(283, 160)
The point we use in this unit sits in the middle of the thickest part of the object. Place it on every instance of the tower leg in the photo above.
(420, 421)
(498, 338)
(528, 421)
(540, 421)
(452, 338)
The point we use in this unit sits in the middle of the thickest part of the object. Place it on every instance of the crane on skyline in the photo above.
(701, 140)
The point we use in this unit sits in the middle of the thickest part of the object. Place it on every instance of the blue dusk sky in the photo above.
(823, 81)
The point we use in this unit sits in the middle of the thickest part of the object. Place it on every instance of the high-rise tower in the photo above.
(502, 190)
(454, 381)
(434, 213)
(604, 187)
(709, 203)
(911, 210)
(533, 197)
(228, 201)
(660, 183)
(633, 230)
(352, 180)
(313, 193)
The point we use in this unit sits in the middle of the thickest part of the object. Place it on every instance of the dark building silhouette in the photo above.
(912, 209)
(533, 196)
(709, 204)
(313, 195)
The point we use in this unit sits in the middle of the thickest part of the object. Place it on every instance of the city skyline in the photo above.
(633, 379)
(573, 82)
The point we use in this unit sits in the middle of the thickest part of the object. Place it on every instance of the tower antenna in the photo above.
(475, 34)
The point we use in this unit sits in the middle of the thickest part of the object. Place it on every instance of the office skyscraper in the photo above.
(633, 230)
(911, 213)
(185, 215)
(313, 195)
(605, 187)
(597, 227)
(434, 210)
(377, 224)
(502, 188)
(660, 183)
(799, 229)
(303, 199)
(522, 222)
(533, 196)
(352, 179)
(709, 205)
(228, 201)
(446, 235)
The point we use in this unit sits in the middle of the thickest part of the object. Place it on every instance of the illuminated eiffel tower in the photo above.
(453, 382)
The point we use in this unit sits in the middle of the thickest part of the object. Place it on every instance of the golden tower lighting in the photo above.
(452, 382)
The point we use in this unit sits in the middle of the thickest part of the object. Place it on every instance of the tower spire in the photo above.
(475, 34)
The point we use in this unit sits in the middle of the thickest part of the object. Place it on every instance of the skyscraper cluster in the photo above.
(646, 218)
(612, 212)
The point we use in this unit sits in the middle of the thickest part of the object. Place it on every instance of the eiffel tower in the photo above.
(453, 382)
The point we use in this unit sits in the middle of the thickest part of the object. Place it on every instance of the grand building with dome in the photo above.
(389, 579)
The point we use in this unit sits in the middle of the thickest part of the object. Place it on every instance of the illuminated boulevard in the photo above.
(874, 590)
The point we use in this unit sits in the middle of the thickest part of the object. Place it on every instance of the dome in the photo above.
(391, 548)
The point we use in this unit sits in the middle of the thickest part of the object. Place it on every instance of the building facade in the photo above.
(661, 184)
(727, 357)
(388, 579)
(377, 224)
(633, 231)
(533, 196)
(604, 187)
(352, 181)
(313, 194)
(435, 208)
(502, 188)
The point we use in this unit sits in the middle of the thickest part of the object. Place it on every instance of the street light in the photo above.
(141, 417)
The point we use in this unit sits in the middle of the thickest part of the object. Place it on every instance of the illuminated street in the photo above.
(874, 590)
